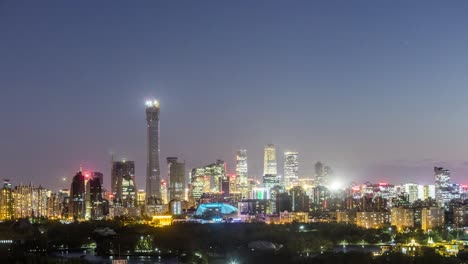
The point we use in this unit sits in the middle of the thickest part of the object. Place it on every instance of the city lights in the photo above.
(336, 185)
(152, 103)
(234, 132)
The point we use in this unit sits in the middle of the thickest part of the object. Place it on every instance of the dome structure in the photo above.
(216, 209)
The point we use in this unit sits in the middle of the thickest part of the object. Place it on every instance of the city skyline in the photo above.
(278, 164)
(233, 131)
(321, 80)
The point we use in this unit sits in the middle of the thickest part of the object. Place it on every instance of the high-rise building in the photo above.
(319, 173)
(402, 217)
(291, 168)
(412, 190)
(442, 186)
(283, 202)
(207, 179)
(57, 205)
(225, 186)
(232, 178)
(176, 171)
(123, 183)
(242, 184)
(270, 181)
(432, 217)
(320, 196)
(6, 201)
(299, 199)
(77, 197)
(269, 160)
(94, 195)
(372, 219)
(164, 197)
(141, 197)
(200, 184)
(429, 192)
(252, 184)
(322, 174)
(460, 215)
(260, 193)
(153, 173)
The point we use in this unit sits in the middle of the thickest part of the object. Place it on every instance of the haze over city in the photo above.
(380, 101)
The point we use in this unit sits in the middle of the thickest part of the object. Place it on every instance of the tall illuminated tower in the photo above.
(242, 172)
(291, 168)
(153, 177)
(269, 160)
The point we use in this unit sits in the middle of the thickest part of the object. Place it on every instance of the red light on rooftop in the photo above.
(383, 184)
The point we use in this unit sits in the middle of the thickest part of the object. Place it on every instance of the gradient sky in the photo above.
(376, 89)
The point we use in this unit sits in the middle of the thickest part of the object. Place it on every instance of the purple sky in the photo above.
(375, 89)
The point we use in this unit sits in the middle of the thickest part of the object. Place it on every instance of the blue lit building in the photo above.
(215, 210)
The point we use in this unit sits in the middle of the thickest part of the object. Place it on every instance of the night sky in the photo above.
(376, 89)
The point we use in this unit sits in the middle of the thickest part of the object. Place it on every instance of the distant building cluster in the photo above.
(211, 194)
(407, 206)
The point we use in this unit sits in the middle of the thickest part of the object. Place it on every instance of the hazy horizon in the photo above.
(376, 90)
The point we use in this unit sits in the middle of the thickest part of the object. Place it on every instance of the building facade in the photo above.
(402, 217)
(123, 183)
(176, 172)
(207, 179)
(6, 201)
(432, 217)
(242, 185)
(269, 160)
(291, 168)
(442, 186)
(322, 174)
(77, 197)
(372, 219)
(270, 181)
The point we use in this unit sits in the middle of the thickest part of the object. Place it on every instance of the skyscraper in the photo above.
(94, 192)
(322, 174)
(123, 183)
(412, 190)
(153, 177)
(442, 185)
(242, 184)
(291, 168)
(299, 199)
(270, 181)
(207, 179)
(6, 201)
(77, 197)
(176, 171)
(29, 201)
(269, 160)
(164, 198)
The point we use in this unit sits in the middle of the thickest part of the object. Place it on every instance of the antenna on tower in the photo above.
(81, 168)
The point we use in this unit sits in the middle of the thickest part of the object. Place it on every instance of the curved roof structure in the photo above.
(224, 209)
